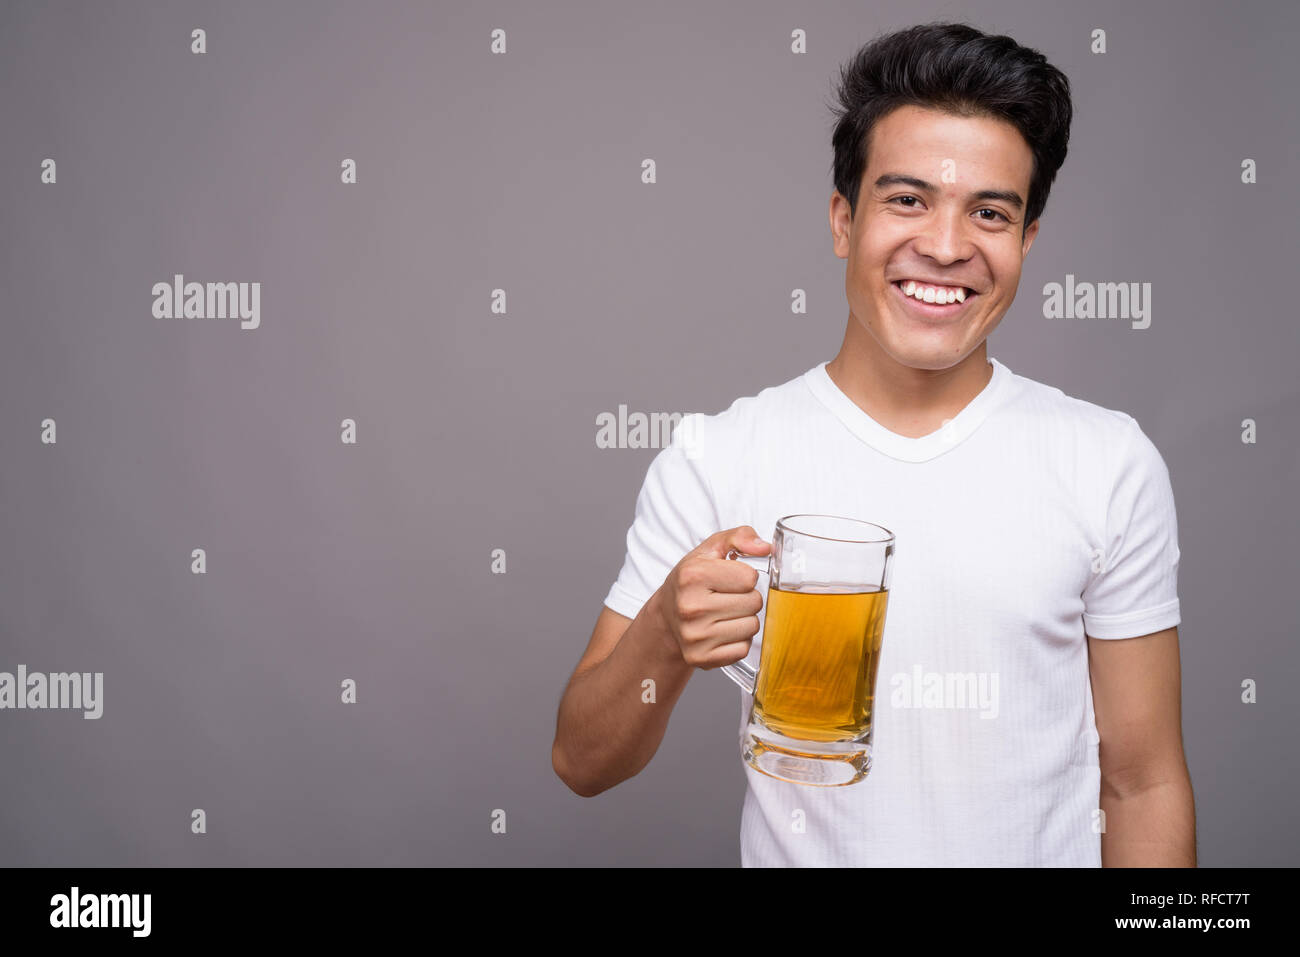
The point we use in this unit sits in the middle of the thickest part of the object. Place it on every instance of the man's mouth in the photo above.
(933, 301)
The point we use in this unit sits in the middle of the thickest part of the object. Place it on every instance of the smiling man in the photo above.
(1037, 546)
(934, 243)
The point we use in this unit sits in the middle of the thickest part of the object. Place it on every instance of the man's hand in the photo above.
(709, 604)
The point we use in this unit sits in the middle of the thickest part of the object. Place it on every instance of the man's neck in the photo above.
(906, 401)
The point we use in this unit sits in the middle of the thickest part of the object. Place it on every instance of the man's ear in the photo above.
(1028, 241)
(841, 222)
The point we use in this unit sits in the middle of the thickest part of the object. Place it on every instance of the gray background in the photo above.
(477, 431)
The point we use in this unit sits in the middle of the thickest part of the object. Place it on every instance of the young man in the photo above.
(1036, 533)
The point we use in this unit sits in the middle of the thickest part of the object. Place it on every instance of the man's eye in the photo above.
(913, 200)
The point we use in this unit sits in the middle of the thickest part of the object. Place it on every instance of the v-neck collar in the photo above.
(898, 446)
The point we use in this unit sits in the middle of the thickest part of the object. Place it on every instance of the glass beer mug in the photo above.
(828, 585)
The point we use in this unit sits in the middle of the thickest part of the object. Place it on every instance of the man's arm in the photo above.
(605, 731)
(704, 615)
(1146, 792)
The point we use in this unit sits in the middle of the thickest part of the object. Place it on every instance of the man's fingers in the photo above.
(742, 539)
(724, 604)
(725, 654)
(730, 576)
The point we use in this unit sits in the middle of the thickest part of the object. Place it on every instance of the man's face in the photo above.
(934, 225)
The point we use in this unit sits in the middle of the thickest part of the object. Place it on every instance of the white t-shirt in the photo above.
(1030, 518)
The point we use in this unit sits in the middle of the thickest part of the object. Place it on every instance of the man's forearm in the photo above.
(608, 729)
(1151, 827)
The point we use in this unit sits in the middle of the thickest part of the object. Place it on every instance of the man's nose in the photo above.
(943, 238)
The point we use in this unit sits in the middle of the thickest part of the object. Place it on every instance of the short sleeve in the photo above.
(675, 511)
(1135, 591)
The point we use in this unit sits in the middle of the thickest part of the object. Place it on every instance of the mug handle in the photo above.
(740, 672)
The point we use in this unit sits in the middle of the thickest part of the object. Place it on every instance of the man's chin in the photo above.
(931, 357)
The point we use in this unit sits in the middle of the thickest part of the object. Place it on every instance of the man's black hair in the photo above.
(960, 70)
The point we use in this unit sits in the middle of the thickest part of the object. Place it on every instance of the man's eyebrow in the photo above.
(1010, 197)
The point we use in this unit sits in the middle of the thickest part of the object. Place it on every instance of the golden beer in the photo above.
(817, 666)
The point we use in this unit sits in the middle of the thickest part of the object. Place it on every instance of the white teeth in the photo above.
(936, 294)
